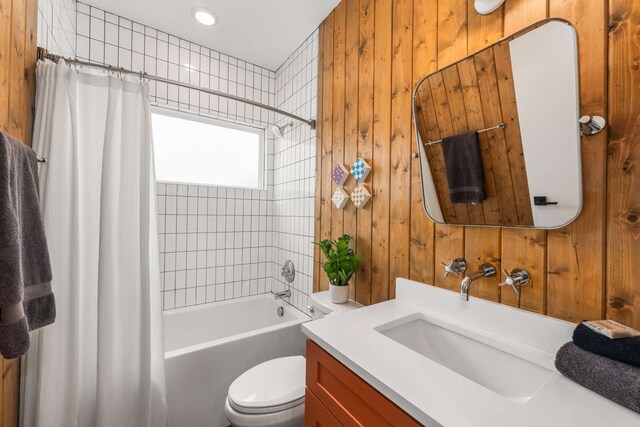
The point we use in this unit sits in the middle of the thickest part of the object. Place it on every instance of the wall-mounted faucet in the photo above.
(486, 272)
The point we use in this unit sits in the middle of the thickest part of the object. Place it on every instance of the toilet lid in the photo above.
(273, 385)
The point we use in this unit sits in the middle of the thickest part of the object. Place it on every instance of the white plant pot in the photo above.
(339, 294)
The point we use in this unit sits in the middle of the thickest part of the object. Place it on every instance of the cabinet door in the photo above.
(349, 398)
(315, 413)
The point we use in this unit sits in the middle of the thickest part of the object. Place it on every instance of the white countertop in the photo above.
(436, 395)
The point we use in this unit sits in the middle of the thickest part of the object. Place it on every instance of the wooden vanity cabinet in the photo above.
(335, 396)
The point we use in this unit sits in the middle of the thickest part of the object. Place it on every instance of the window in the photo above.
(194, 150)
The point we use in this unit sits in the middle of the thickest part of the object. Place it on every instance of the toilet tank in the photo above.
(320, 305)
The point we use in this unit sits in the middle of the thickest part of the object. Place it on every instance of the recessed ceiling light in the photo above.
(204, 16)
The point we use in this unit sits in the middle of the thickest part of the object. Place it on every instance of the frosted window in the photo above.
(194, 150)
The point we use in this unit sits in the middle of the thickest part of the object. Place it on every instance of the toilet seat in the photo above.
(265, 409)
(292, 417)
(273, 386)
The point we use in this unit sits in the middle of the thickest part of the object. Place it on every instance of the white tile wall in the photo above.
(214, 243)
(293, 184)
(221, 243)
(57, 26)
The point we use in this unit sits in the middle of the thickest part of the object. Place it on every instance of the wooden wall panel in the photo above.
(18, 23)
(381, 152)
(623, 173)
(401, 131)
(576, 253)
(339, 110)
(364, 241)
(421, 261)
(352, 31)
(584, 270)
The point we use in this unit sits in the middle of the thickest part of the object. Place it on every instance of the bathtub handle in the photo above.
(288, 271)
(311, 309)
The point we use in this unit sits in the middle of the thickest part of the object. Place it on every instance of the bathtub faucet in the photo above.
(283, 294)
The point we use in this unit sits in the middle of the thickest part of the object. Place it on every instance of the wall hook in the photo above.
(591, 125)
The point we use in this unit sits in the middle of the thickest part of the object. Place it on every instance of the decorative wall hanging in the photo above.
(360, 196)
(340, 174)
(340, 198)
(360, 169)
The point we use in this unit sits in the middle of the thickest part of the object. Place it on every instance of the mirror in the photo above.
(498, 133)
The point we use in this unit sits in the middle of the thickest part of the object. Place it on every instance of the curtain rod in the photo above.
(44, 54)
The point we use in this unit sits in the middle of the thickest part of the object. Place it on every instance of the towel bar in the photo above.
(500, 126)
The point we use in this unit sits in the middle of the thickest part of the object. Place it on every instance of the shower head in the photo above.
(278, 131)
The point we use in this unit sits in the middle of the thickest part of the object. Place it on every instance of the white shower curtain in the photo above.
(101, 363)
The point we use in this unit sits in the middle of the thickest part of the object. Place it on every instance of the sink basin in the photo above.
(478, 359)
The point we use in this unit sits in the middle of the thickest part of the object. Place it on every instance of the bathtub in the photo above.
(208, 346)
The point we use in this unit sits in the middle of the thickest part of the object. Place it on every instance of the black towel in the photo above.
(26, 300)
(463, 162)
(614, 380)
(625, 350)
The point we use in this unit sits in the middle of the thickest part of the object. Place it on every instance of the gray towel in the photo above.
(463, 162)
(26, 300)
(612, 379)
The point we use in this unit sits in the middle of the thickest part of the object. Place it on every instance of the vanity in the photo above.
(430, 358)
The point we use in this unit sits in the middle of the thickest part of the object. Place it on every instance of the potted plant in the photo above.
(340, 266)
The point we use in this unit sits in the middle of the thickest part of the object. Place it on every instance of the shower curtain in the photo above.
(102, 362)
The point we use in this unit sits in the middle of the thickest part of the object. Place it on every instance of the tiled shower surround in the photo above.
(294, 163)
(57, 26)
(221, 243)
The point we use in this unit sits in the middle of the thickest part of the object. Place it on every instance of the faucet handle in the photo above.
(516, 279)
(288, 271)
(457, 266)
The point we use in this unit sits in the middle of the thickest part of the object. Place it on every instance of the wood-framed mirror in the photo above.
(498, 133)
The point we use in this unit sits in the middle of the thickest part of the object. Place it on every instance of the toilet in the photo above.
(271, 394)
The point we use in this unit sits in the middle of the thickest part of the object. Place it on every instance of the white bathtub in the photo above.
(208, 346)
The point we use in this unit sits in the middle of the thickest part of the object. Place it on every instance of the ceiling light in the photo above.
(204, 16)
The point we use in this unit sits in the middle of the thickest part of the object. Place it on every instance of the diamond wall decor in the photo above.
(340, 174)
(340, 198)
(360, 196)
(360, 169)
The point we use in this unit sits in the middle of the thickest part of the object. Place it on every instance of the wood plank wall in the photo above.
(585, 270)
(18, 24)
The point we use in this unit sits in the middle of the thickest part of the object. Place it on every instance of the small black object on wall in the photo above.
(542, 201)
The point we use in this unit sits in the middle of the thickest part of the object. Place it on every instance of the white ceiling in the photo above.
(263, 32)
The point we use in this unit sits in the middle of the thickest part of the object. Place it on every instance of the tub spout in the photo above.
(283, 294)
